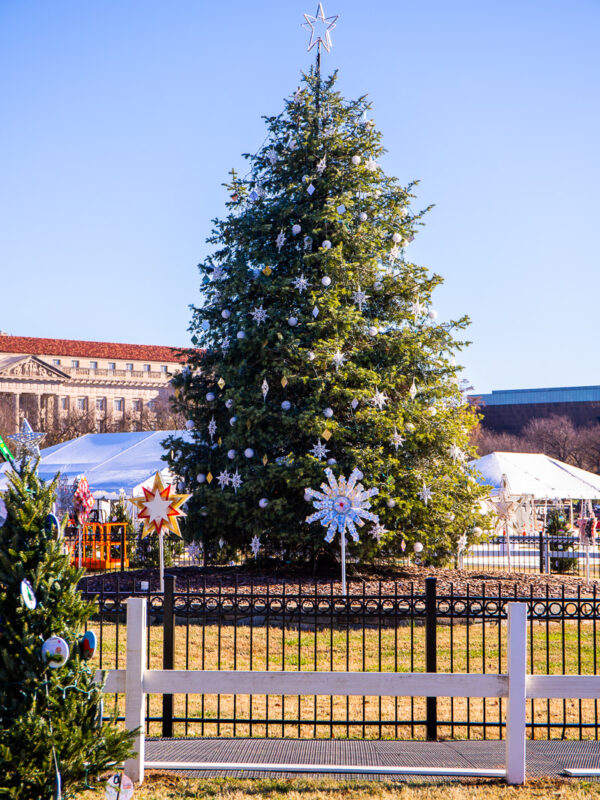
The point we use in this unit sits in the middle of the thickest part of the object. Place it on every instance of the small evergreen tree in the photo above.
(50, 719)
(316, 345)
(559, 541)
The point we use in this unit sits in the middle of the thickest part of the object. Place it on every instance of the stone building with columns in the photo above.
(45, 380)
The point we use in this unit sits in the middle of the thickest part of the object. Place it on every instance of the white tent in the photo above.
(110, 461)
(536, 475)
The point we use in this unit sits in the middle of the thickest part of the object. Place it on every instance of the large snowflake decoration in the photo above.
(160, 507)
(259, 315)
(255, 545)
(342, 505)
(378, 531)
(300, 283)
(319, 450)
(321, 165)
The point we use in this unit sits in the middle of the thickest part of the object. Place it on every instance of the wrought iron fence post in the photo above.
(542, 553)
(431, 653)
(168, 651)
(123, 546)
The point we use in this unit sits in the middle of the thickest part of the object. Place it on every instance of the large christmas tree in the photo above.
(51, 732)
(316, 345)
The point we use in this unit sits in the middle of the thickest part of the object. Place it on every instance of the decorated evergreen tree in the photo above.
(51, 732)
(316, 345)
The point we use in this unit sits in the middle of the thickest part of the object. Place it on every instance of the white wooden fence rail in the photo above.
(516, 686)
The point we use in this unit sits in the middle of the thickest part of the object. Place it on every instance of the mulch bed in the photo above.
(403, 581)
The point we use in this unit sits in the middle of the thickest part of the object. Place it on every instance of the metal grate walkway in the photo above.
(544, 758)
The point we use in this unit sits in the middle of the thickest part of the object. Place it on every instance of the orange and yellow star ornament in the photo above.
(160, 507)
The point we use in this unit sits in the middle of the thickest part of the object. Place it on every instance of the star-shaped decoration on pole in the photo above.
(255, 545)
(319, 450)
(425, 494)
(360, 298)
(27, 442)
(259, 315)
(160, 507)
(379, 399)
(320, 27)
(338, 359)
(224, 479)
(396, 440)
(342, 505)
(300, 283)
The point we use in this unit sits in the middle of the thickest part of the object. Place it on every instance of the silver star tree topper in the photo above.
(320, 27)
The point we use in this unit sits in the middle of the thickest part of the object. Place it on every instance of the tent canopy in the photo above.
(110, 461)
(536, 474)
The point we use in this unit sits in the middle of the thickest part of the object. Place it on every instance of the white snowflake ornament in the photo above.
(338, 359)
(259, 315)
(300, 283)
(224, 479)
(255, 545)
(319, 450)
(425, 494)
(342, 505)
(379, 399)
(396, 440)
(360, 298)
(280, 241)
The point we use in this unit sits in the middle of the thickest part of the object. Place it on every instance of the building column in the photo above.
(17, 419)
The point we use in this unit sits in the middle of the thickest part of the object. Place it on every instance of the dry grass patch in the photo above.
(167, 787)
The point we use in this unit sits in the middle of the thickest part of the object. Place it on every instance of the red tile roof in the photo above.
(74, 347)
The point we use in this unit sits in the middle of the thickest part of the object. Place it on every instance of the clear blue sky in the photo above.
(121, 118)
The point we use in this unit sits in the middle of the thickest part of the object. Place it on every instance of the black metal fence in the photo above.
(523, 554)
(375, 627)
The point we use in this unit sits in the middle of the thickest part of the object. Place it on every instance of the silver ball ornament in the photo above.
(263, 502)
(378, 285)
(241, 334)
(391, 502)
(356, 160)
(372, 331)
(190, 424)
(286, 405)
(326, 280)
(396, 238)
(210, 396)
(328, 412)
(229, 403)
(363, 216)
(292, 322)
(200, 477)
(418, 547)
(226, 313)
(326, 244)
(232, 421)
(432, 313)
(296, 229)
(249, 452)
(310, 355)
(231, 454)
(331, 461)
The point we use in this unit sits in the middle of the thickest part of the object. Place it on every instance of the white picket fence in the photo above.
(516, 686)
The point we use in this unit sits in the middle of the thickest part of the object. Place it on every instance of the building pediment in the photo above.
(30, 367)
